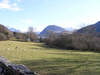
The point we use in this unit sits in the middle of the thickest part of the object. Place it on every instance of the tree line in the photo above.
(6, 34)
(75, 41)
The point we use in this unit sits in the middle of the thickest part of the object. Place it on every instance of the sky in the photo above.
(22, 14)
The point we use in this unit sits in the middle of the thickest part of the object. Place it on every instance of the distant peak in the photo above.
(53, 26)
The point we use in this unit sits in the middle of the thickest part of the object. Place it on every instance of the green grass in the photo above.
(50, 61)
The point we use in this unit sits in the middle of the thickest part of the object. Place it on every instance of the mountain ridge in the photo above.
(93, 28)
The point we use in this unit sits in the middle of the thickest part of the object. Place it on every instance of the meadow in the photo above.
(51, 61)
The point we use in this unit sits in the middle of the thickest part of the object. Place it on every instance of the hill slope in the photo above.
(5, 33)
(94, 28)
(88, 29)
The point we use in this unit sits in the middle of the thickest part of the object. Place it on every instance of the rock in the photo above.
(7, 68)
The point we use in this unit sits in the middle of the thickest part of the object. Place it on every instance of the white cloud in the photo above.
(6, 4)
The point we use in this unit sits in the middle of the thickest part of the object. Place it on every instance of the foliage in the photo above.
(78, 41)
(2, 37)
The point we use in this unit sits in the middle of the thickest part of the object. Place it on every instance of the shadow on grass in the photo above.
(60, 66)
(43, 45)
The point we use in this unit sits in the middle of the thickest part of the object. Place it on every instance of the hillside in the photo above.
(50, 61)
(4, 29)
(52, 28)
(97, 25)
(94, 28)
(5, 33)
(88, 29)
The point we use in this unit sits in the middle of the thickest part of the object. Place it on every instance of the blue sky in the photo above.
(21, 14)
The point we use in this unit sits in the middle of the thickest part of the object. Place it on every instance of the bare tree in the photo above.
(31, 35)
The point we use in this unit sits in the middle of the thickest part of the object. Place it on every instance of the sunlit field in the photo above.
(50, 61)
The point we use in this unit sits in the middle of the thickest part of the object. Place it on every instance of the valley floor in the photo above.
(50, 61)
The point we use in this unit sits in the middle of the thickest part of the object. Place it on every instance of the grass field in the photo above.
(50, 61)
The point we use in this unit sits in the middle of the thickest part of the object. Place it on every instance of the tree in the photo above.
(20, 36)
(31, 34)
(86, 42)
(50, 38)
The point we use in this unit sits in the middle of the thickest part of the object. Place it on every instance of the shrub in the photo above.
(75, 41)
(3, 37)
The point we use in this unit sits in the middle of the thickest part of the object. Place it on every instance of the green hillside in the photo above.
(49, 61)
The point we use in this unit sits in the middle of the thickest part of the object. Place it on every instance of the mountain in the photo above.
(97, 25)
(14, 30)
(94, 28)
(52, 28)
(87, 29)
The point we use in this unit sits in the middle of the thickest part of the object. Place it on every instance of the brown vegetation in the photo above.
(5, 33)
(75, 41)
(31, 35)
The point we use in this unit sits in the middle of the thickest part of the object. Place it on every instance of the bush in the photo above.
(75, 41)
(18, 36)
(2, 37)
